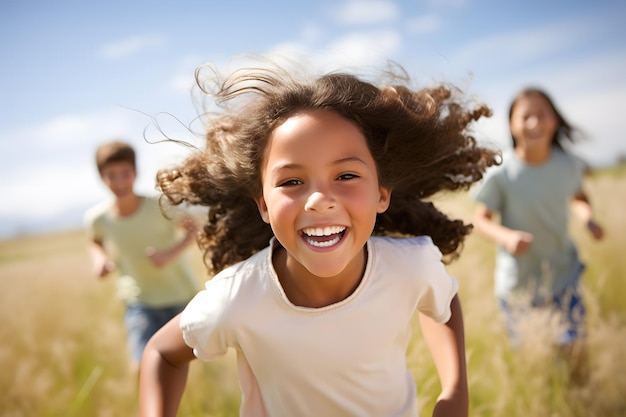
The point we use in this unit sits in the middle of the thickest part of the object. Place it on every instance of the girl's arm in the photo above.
(582, 209)
(446, 343)
(515, 242)
(163, 372)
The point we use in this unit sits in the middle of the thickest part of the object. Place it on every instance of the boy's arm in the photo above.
(515, 242)
(101, 264)
(582, 208)
(446, 343)
(160, 258)
(163, 371)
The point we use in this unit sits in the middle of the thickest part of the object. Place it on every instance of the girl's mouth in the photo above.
(323, 237)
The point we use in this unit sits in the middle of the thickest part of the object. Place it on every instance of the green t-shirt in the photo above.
(535, 199)
(125, 239)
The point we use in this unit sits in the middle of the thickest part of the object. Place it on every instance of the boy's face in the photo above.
(119, 177)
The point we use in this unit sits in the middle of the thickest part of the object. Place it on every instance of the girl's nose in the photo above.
(319, 201)
(532, 122)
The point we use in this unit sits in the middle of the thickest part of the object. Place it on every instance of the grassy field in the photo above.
(63, 350)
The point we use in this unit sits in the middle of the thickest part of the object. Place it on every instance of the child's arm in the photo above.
(515, 242)
(582, 208)
(446, 343)
(160, 258)
(101, 264)
(163, 372)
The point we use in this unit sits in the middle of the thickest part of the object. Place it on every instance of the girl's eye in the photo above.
(344, 177)
(289, 183)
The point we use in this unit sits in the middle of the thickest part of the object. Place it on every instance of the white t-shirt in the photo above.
(345, 359)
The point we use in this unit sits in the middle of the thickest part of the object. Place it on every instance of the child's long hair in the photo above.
(565, 131)
(419, 140)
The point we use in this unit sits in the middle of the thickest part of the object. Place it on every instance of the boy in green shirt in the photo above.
(131, 236)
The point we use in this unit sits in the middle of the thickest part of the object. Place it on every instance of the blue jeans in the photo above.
(143, 321)
(568, 306)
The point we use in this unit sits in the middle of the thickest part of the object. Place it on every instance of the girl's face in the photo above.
(533, 122)
(321, 193)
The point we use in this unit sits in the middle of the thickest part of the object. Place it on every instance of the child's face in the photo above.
(119, 177)
(320, 191)
(533, 122)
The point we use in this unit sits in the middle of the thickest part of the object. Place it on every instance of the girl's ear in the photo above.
(260, 203)
(384, 198)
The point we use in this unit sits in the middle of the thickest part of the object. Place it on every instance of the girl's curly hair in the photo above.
(419, 139)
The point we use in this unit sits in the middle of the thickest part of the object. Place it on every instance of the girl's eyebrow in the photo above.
(349, 159)
(293, 166)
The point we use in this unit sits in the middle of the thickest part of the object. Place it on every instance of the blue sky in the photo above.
(76, 73)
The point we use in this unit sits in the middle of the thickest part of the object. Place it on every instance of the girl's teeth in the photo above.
(324, 237)
(324, 231)
(324, 244)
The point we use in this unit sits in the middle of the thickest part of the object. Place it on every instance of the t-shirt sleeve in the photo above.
(201, 322)
(439, 287)
(92, 224)
(488, 192)
(578, 173)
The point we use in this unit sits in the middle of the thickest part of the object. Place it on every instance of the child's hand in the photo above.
(595, 229)
(158, 258)
(518, 242)
(105, 268)
(189, 224)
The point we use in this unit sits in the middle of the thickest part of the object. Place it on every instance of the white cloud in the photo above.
(129, 46)
(59, 131)
(597, 113)
(182, 83)
(536, 46)
(311, 33)
(357, 12)
(424, 24)
(363, 49)
(184, 80)
(48, 188)
(292, 55)
(50, 168)
(591, 72)
(355, 51)
(509, 50)
(76, 130)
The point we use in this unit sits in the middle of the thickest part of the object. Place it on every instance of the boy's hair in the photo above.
(564, 131)
(115, 151)
(419, 140)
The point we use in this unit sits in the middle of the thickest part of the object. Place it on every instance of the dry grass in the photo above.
(64, 350)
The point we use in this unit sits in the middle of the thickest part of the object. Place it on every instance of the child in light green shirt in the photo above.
(131, 235)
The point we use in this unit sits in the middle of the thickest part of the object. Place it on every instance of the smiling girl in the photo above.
(314, 294)
(537, 264)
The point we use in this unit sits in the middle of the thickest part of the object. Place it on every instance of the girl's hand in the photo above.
(518, 242)
(595, 229)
